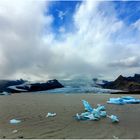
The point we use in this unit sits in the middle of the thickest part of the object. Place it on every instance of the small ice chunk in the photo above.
(87, 106)
(115, 137)
(127, 97)
(78, 116)
(114, 118)
(50, 114)
(91, 117)
(103, 114)
(100, 107)
(96, 113)
(14, 131)
(15, 121)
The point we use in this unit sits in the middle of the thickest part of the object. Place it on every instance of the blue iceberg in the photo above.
(124, 100)
(87, 106)
(94, 114)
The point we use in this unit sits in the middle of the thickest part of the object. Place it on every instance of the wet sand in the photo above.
(32, 109)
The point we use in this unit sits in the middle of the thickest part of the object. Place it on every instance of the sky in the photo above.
(41, 40)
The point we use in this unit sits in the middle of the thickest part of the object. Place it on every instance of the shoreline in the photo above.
(127, 92)
(32, 109)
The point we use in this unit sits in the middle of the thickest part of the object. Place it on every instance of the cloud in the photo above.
(137, 24)
(129, 62)
(29, 48)
(20, 31)
(61, 14)
(100, 38)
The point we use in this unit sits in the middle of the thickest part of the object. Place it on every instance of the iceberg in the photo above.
(94, 114)
(123, 100)
(87, 106)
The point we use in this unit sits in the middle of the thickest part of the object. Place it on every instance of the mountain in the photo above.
(124, 83)
(6, 83)
(24, 86)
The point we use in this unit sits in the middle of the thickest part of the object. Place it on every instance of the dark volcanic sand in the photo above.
(31, 109)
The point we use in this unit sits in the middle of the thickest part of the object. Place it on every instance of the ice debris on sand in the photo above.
(15, 131)
(115, 137)
(113, 118)
(124, 100)
(14, 121)
(94, 114)
(50, 114)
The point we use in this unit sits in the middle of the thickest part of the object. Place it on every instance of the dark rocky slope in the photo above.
(30, 87)
(6, 83)
(125, 83)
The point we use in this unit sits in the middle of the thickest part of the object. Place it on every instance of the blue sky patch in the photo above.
(128, 11)
(62, 12)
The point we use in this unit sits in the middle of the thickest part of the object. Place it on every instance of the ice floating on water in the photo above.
(124, 100)
(14, 121)
(50, 114)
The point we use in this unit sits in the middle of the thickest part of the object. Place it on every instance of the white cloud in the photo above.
(29, 50)
(61, 14)
(100, 38)
(129, 62)
(137, 24)
(21, 23)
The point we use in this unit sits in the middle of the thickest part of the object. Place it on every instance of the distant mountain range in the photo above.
(124, 83)
(17, 86)
(127, 84)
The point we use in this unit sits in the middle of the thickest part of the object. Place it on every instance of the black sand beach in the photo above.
(32, 109)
